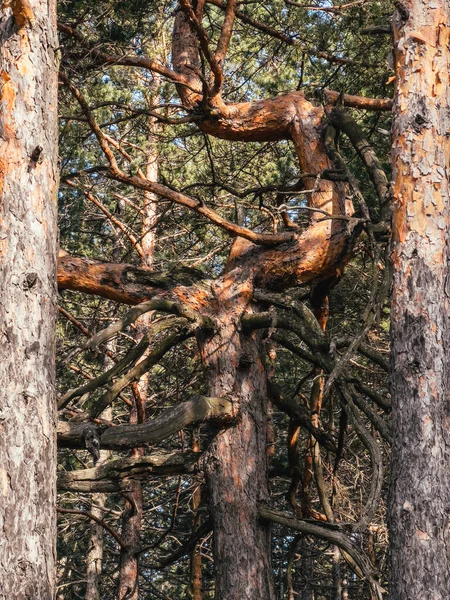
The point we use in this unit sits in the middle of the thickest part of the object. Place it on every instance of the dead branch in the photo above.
(169, 422)
(115, 476)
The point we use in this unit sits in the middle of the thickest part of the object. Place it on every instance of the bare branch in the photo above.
(115, 476)
(291, 40)
(329, 533)
(276, 319)
(126, 283)
(169, 422)
(89, 515)
(129, 61)
(296, 411)
(142, 183)
(376, 481)
(120, 367)
(203, 39)
(158, 304)
(135, 373)
(227, 30)
(376, 104)
(350, 127)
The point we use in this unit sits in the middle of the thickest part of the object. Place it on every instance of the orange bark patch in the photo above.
(8, 100)
(2, 175)
(423, 536)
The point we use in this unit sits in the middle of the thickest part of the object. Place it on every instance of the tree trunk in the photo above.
(28, 184)
(420, 481)
(236, 468)
(94, 559)
(132, 516)
(196, 554)
(131, 536)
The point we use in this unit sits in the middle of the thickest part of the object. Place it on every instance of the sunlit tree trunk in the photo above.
(236, 468)
(420, 479)
(28, 184)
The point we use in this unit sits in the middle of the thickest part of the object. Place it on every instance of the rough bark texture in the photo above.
(237, 465)
(322, 249)
(420, 482)
(28, 183)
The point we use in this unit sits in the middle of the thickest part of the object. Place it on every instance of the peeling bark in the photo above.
(420, 326)
(28, 184)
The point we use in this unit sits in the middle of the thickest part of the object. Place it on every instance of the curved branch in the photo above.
(140, 182)
(375, 396)
(89, 515)
(343, 121)
(330, 534)
(299, 413)
(169, 422)
(376, 481)
(275, 319)
(380, 425)
(129, 360)
(263, 239)
(291, 40)
(143, 62)
(134, 374)
(184, 549)
(157, 304)
(126, 283)
(375, 104)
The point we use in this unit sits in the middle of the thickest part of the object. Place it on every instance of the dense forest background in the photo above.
(151, 535)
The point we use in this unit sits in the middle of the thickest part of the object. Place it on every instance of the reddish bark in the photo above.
(131, 537)
(236, 468)
(196, 556)
(237, 460)
(420, 482)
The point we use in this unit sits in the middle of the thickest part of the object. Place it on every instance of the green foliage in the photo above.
(226, 176)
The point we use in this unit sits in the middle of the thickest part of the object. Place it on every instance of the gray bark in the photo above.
(419, 508)
(28, 185)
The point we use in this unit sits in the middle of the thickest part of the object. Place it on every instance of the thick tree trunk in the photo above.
(420, 480)
(237, 465)
(28, 184)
